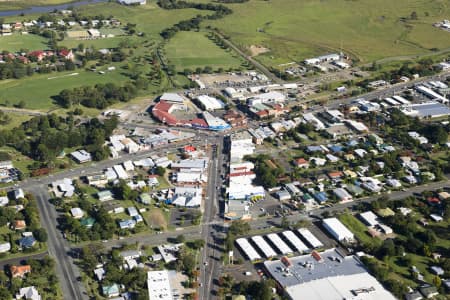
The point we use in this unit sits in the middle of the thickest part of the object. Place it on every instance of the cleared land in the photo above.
(19, 4)
(16, 42)
(189, 49)
(294, 30)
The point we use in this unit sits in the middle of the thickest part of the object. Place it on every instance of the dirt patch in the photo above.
(256, 50)
(156, 219)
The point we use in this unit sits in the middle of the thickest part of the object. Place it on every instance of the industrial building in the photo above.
(430, 109)
(248, 249)
(338, 230)
(261, 243)
(325, 276)
(310, 238)
(295, 241)
(210, 103)
(279, 244)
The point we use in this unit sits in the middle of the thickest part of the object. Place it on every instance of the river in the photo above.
(46, 9)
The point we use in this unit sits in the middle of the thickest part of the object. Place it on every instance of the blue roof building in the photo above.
(27, 242)
(321, 197)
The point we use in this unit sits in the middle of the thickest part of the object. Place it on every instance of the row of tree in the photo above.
(99, 96)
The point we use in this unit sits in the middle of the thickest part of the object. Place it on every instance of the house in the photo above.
(436, 218)
(428, 291)
(66, 54)
(29, 293)
(105, 195)
(5, 247)
(132, 2)
(18, 194)
(319, 162)
(342, 195)
(87, 222)
(413, 296)
(99, 180)
(99, 273)
(19, 224)
(77, 213)
(19, 271)
(145, 198)
(350, 173)
(130, 254)
(81, 156)
(111, 290)
(336, 175)
(437, 270)
(132, 211)
(301, 163)
(127, 224)
(27, 242)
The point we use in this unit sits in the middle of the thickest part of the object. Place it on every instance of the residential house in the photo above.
(127, 224)
(27, 242)
(301, 163)
(77, 213)
(130, 254)
(81, 156)
(19, 271)
(105, 196)
(145, 198)
(18, 194)
(111, 290)
(428, 291)
(29, 293)
(5, 247)
(342, 195)
(99, 273)
(87, 222)
(19, 225)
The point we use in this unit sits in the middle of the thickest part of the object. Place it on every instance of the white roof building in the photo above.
(270, 97)
(5, 247)
(210, 103)
(77, 213)
(295, 241)
(187, 196)
(120, 171)
(279, 243)
(172, 97)
(338, 230)
(369, 218)
(310, 238)
(249, 251)
(261, 243)
(4, 201)
(29, 293)
(81, 156)
(158, 285)
(18, 194)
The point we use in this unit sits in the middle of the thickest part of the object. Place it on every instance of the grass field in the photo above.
(294, 29)
(19, 4)
(189, 49)
(16, 42)
(37, 90)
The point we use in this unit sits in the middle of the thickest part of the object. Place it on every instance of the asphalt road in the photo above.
(58, 248)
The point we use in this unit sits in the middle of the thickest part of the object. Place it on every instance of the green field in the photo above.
(189, 49)
(19, 4)
(37, 90)
(16, 42)
(294, 30)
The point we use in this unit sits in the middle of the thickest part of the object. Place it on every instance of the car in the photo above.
(205, 263)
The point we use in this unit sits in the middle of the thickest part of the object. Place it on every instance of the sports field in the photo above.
(189, 49)
(366, 29)
(37, 90)
(16, 42)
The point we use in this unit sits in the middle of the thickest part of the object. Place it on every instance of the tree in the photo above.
(437, 281)
(180, 238)
(41, 235)
(160, 171)
(239, 227)
(285, 223)
(414, 15)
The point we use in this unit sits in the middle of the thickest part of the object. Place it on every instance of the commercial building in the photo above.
(430, 109)
(210, 103)
(248, 249)
(310, 238)
(81, 156)
(295, 241)
(158, 285)
(215, 123)
(279, 244)
(263, 246)
(338, 230)
(325, 276)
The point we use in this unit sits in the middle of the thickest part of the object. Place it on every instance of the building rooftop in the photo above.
(326, 276)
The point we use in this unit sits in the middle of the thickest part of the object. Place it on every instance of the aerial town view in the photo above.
(224, 149)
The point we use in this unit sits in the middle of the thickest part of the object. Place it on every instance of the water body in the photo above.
(47, 9)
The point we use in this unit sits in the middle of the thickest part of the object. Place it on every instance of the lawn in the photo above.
(359, 229)
(294, 30)
(16, 120)
(189, 49)
(37, 90)
(16, 42)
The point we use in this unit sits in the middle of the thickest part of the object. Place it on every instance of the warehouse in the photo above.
(326, 275)
(430, 109)
(249, 251)
(369, 218)
(215, 123)
(158, 285)
(295, 241)
(210, 103)
(310, 238)
(338, 230)
(279, 244)
(263, 246)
